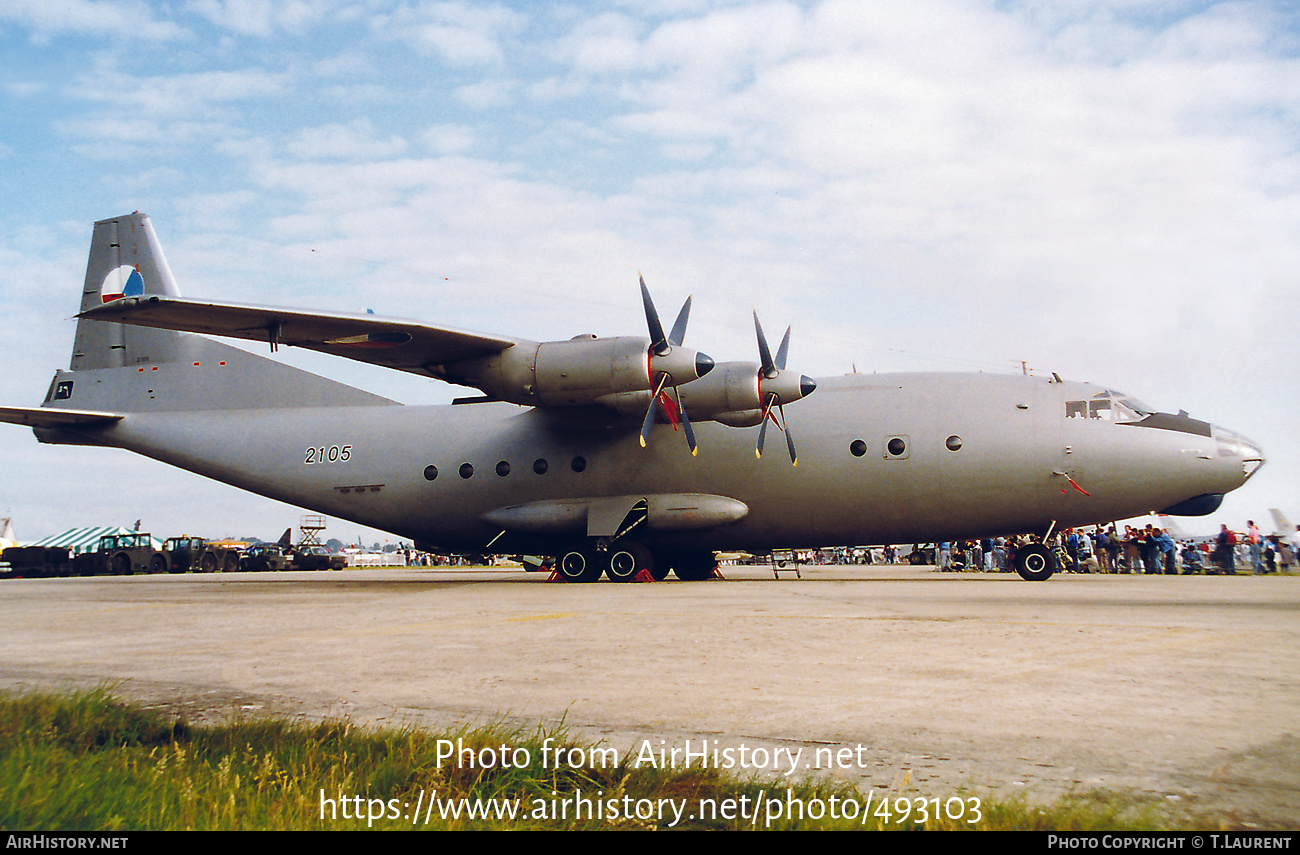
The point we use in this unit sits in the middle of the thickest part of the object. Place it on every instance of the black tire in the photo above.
(661, 565)
(122, 564)
(158, 564)
(694, 566)
(208, 563)
(1035, 563)
(232, 563)
(578, 565)
(625, 561)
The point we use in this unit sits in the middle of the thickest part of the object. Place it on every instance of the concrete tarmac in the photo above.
(1182, 689)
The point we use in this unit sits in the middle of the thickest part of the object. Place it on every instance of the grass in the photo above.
(88, 762)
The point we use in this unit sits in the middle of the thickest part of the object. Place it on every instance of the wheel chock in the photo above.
(643, 575)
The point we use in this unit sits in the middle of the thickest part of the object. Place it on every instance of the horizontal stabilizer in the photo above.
(47, 417)
(391, 342)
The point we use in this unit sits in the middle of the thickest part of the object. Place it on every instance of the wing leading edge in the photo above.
(391, 342)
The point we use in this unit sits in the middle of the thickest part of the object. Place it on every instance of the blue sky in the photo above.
(1107, 190)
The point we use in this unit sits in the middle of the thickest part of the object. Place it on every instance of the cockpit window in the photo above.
(1108, 406)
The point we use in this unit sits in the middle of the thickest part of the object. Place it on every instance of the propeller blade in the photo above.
(789, 438)
(658, 342)
(686, 422)
(650, 413)
(764, 354)
(783, 350)
(678, 335)
(762, 431)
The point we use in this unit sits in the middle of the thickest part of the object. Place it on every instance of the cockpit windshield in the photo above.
(1108, 405)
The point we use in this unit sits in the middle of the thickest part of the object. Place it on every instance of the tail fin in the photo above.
(120, 368)
(125, 260)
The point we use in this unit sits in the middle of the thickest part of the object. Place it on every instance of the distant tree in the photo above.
(333, 544)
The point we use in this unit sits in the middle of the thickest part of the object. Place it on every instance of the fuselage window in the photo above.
(579, 464)
(503, 468)
(897, 446)
(539, 466)
(430, 472)
(857, 448)
(467, 470)
(953, 443)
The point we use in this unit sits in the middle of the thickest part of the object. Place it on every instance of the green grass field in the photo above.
(90, 762)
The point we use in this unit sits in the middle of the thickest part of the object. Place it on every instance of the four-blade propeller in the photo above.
(778, 387)
(670, 365)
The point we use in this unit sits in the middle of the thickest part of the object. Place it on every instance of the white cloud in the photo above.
(121, 19)
(261, 18)
(460, 34)
(353, 141)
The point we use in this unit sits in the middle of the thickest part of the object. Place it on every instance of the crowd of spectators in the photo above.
(1147, 550)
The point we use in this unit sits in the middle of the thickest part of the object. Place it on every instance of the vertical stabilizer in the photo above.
(125, 261)
(121, 368)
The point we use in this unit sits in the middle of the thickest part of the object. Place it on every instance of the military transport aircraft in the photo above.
(615, 455)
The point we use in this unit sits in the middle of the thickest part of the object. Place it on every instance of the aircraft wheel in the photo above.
(694, 566)
(578, 565)
(1035, 563)
(625, 561)
(660, 564)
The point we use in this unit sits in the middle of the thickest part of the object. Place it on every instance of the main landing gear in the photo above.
(623, 561)
(1035, 562)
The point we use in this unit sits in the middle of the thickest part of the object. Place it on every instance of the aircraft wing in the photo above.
(49, 417)
(392, 342)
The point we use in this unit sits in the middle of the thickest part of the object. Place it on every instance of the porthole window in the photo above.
(430, 472)
(467, 470)
(897, 447)
(953, 443)
(539, 466)
(503, 468)
(857, 448)
(579, 464)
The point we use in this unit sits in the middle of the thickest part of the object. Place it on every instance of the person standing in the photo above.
(1255, 542)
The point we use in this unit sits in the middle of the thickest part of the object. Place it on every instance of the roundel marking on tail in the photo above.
(111, 290)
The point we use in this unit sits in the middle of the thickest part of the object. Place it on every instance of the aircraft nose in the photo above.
(1233, 444)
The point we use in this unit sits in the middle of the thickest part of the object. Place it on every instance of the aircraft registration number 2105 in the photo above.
(328, 454)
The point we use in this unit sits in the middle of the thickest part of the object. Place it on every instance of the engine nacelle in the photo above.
(582, 370)
(729, 394)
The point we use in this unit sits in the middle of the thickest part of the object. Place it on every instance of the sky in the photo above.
(1105, 189)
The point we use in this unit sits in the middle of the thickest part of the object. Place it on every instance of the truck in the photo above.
(121, 555)
(266, 556)
(316, 558)
(36, 562)
(186, 554)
